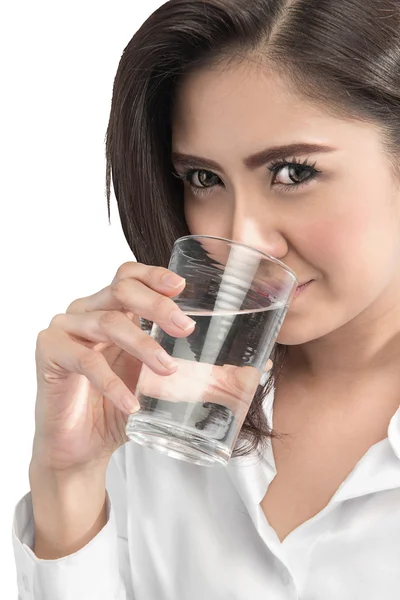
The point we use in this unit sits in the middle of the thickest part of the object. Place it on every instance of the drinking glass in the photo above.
(238, 297)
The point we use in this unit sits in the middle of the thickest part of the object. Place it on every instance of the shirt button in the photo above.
(26, 583)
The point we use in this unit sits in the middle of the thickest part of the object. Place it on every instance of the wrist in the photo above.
(58, 478)
(69, 509)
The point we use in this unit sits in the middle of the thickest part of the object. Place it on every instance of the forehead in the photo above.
(219, 107)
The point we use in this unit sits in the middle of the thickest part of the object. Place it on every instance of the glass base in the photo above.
(177, 442)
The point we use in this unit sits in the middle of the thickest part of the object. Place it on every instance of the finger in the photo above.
(152, 277)
(158, 278)
(59, 350)
(116, 328)
(133, 296)
(233, 387)
(268, 366)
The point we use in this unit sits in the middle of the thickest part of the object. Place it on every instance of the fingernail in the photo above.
(268, 366)
(165, 359)
(182, 320)
(131, 402)
(172, 280)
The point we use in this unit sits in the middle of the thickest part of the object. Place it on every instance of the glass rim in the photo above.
(264, 254)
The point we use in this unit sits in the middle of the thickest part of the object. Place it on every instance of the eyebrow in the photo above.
(255, 160)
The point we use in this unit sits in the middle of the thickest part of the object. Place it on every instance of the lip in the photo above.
(305, 283)
(274, 289)
(268, 291)
(302, 287)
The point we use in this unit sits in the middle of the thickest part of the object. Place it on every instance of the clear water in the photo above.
(196, 413)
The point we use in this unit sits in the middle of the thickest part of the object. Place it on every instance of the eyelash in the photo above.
(274, 168)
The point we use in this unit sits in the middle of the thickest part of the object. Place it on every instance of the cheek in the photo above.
(350, 275)
(356, 255)
(353, 239)
(205, 217)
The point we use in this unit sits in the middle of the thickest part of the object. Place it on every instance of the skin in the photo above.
(341, 229)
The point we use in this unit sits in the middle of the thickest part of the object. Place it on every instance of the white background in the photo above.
(58, 62)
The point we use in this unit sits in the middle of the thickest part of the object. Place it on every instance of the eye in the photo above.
(292, 174)
(201, 181)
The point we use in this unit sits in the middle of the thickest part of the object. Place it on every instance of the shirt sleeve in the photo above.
(99, 571)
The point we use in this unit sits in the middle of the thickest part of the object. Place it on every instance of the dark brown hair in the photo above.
(344, 55)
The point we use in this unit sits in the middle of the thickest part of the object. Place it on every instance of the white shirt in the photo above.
(177, 531)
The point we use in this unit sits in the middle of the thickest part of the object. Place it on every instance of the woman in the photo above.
(292, 109)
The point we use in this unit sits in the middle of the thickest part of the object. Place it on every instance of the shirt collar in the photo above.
(378, 469)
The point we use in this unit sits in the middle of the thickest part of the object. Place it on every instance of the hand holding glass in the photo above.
(238, 297)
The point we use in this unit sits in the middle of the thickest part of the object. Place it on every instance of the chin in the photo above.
(292, 337)
(298, 330)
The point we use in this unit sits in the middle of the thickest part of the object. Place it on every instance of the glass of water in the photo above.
(238, 297)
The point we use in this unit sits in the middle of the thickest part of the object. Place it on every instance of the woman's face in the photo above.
(333, 217)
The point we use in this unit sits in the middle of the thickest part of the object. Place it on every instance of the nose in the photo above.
(261, 231)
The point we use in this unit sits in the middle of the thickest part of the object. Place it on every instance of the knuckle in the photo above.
(161, 304)
(125, 270)
(119, 290)
(74, 306)
(110, 317)
(90, 361)
(111, 386)
(42, 339)
(46, 340)
(57, 320)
